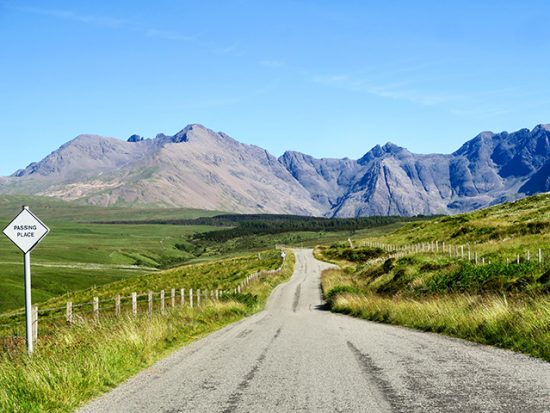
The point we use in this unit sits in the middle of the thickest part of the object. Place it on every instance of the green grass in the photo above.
(496, 303)
(78, 363)
(519, 323)
(52, 209)
(511, 228)
(220, 274)
(78, 254)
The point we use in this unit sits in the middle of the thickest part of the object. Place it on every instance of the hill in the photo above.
(199, 168)
(483, 276)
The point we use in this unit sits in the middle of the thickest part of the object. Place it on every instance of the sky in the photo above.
(328, 78)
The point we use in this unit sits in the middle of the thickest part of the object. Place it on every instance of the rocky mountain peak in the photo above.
(212, 170)
(135, 138)
(377, 152)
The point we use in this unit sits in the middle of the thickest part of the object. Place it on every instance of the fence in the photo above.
(463, 251)
(133, 305)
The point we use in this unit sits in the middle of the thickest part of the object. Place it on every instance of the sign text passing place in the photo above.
(26, 230)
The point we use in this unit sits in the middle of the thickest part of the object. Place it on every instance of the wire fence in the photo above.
(467, 252)
(12, 325)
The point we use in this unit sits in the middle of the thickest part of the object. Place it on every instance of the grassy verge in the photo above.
(498, 302)
(475, 303)
(78, 363)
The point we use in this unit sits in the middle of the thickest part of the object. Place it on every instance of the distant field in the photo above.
(57, 210)
(78, 255)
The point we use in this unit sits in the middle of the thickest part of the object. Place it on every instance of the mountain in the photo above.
(195, 168)
(200, 168)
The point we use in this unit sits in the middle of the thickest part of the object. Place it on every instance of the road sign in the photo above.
(26, 230)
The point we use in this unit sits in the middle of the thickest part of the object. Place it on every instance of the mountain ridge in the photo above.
(200, 168)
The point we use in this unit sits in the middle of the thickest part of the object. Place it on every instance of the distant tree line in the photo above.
(245, 225)
(235, 226)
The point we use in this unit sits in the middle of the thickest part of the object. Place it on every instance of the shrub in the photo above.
(341, 289)
(489, 277)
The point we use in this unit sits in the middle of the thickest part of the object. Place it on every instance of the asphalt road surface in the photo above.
(295, 356)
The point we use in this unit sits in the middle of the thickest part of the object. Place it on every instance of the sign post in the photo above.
(25, 231)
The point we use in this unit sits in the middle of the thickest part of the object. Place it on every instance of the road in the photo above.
(296, 356)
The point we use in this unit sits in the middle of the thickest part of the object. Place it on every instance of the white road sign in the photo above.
(26, 230)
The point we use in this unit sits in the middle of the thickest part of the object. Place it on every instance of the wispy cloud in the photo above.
(169, 35)
(398, 91)
(271, 63)
(70, 15)
(234, 49)
(105, 21)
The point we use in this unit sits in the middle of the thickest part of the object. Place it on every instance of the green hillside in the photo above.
(410, 277)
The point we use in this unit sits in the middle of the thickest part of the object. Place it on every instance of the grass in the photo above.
(81, 254)
(221, 274)
(506, 305)
(518, 323)
(512, 228)
(78, 254)
(81, 362)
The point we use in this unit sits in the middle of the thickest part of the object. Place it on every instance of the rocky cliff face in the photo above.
(199, 168)
(391, 180)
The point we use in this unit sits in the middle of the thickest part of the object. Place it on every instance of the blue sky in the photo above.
(329, 78)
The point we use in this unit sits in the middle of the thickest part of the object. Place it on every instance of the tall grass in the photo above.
(519, 323)
(78, 363)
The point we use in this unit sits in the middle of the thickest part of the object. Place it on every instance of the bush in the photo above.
(341, 289)
(353, 254)
(489, 277)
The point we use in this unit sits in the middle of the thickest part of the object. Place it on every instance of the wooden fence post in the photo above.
(69, 312)
(528, 256)
(34, 323)
(190, 298)
(182, 292)
(134, 304)
(517, 260)
(217, 294)
(475, 254)
(198, 297)
(150, 303)
(173, 297)
(540, 256)
(162, 301)
(95, 307)
(117, 305)
(462, 251)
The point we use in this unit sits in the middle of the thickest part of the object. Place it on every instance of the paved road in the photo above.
(294, 356)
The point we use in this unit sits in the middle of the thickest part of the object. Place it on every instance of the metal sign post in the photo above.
(25, 231)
